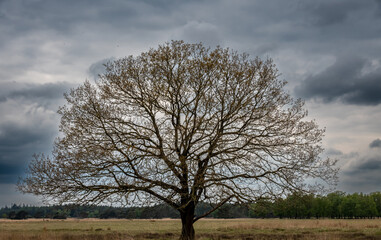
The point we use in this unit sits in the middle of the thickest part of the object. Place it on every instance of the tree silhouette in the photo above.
(181, 124)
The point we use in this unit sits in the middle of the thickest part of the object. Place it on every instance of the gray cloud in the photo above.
(42, 91)
(50, 46)
(65, 17)
(378, 9)
(8, 196)
(363, 176)
(195, 32)
(373, 164)
(19, 142)
(9, 173)
(327, 13)
(47, 95)
(344, 81)
(333, 152)
(362, 171)
(28, 124)
(98, 68)
(375, 144)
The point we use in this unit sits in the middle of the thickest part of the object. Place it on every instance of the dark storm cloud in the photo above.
(30, 128)
(9, 172)
(364, 176)
(333, 152)
(326, 13)
(57, 41)
(375, 144)
(17, 145)
(251, 24)
(66, 16)
(42, 91)
(345, 81)
(13, 137)
(378, 2)
(33, 92)
(53, 37)
(6, 168)
(372, 164)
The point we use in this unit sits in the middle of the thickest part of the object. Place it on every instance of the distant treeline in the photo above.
(333, 205)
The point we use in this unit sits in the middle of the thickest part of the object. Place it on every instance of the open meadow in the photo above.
(117, 229)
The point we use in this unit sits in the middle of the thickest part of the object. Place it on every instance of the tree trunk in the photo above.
(187, 232)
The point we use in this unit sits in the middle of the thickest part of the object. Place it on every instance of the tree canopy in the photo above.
(181, 124)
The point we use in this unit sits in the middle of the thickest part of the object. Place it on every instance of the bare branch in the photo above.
(181, 124)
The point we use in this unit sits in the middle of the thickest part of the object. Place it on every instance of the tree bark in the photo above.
(187, 215)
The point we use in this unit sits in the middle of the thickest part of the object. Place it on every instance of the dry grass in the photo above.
(115, 229)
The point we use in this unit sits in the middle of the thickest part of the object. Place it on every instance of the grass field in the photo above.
(116, 229)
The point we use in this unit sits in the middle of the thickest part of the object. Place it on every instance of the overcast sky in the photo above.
(329, 51)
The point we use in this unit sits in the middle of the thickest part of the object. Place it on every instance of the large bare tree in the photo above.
(181, 124)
